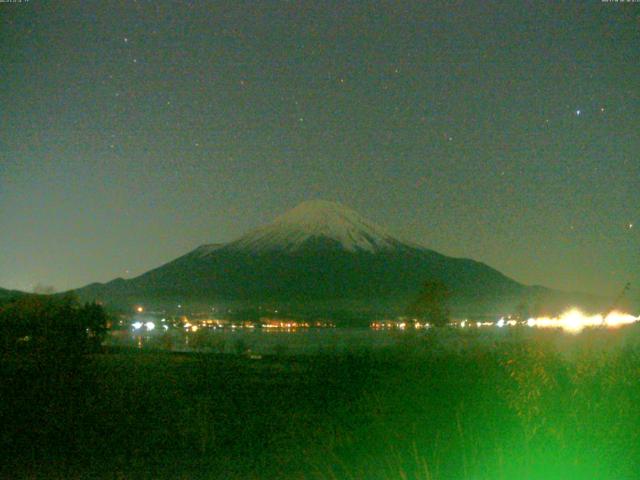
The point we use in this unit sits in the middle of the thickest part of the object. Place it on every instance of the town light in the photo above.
(574, 321)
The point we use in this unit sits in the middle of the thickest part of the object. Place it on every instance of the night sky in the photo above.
(132, 132)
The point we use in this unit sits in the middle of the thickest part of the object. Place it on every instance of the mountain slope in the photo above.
(7, 296)
(320, 255)
(4, 293)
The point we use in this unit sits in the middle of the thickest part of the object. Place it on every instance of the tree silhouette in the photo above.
(431, 304)
(43, 323)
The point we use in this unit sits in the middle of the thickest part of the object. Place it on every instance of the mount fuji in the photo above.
(318, 257)
(318, 220)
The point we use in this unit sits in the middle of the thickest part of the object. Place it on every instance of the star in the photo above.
(126, 40)
(578, 112)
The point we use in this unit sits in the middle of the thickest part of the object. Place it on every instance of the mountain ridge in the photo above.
(318, 253)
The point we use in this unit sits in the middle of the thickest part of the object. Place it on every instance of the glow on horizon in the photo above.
(574, 321)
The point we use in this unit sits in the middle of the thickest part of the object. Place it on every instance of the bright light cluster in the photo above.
(575, 321)
(148, 326)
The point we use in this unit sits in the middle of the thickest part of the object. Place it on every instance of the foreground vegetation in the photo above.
(429, 409)
(54, 326)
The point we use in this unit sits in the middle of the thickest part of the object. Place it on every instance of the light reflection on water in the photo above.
(310, 341)
(302, 341)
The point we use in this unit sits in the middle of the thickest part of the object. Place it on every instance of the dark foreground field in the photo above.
(483, 410)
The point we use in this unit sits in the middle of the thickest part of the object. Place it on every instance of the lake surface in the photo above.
(264, 342)
(311, 341)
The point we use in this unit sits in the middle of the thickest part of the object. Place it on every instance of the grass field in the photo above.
(444, 405)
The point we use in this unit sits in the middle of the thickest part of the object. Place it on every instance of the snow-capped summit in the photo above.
(317, 219)
(320, 258)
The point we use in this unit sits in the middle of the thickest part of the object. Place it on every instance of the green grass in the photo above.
(440, 406)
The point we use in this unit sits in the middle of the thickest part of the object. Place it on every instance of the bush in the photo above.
(47, 324)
